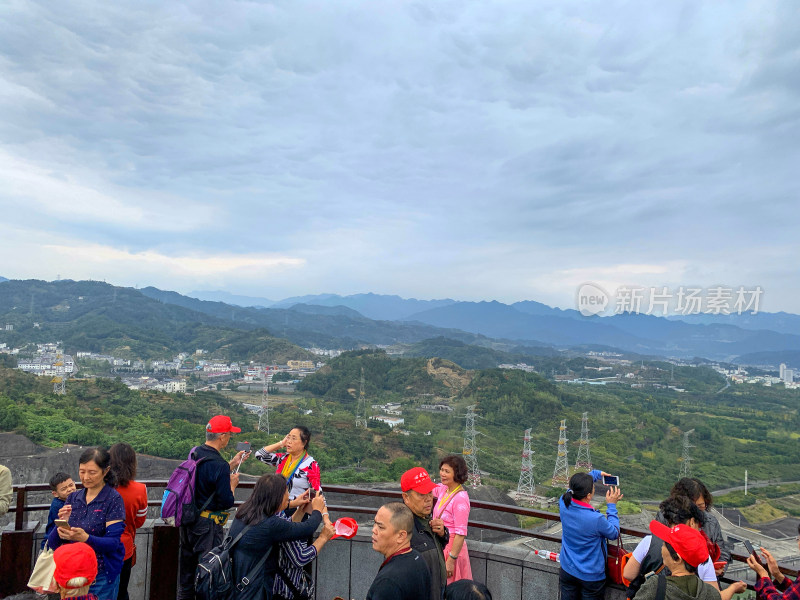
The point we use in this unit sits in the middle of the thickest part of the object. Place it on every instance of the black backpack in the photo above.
(213, 579)
(652, 564)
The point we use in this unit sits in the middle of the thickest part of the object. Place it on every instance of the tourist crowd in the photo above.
(91, 531)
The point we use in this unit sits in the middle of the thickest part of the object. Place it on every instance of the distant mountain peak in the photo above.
(228, 298)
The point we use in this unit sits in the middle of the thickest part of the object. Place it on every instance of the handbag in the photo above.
(41, 580)
(616, 559)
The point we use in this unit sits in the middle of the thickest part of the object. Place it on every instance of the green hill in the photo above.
(97, 317)
(385, 378)
(104, 411)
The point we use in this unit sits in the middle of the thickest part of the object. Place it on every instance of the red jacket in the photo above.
(134, 495)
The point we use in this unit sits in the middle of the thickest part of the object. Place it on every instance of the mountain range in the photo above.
(528, 327)
(767, 338)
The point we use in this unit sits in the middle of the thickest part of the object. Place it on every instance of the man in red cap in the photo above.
(430, 536)
(215, 483)
(76, 569)
(684, 549)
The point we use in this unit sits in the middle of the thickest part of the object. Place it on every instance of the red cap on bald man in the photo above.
(221, 424)
(417, 479)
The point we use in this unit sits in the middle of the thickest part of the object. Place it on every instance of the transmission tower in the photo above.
(584, 461)
(526, 490)
(686, 459)
(361, 411)
(60, 380)
(561, 472)
(470, 448)
(263, 416)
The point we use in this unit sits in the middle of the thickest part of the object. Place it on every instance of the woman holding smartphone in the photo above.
(583, 538)
(266, 529)
(96, 516)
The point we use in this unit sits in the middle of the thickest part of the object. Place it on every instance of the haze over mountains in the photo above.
(333, 321)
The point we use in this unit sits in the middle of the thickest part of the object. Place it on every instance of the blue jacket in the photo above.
(584, 532)
(55, 506)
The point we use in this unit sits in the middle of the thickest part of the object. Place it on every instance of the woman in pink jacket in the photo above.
(452, 506)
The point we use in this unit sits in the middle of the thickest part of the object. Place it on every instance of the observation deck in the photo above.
(512, 570)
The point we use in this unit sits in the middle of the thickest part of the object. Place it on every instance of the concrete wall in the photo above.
(347, 567)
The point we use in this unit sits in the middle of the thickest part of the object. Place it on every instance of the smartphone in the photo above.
(312, 493)
(611, 480)
(752, 551)
(62, 523)
(243, 446)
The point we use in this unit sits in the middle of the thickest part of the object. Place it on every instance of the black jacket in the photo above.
(256, 542)
(213, 477)
(431, 547)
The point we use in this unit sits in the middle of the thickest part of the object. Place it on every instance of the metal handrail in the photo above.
(20, 508)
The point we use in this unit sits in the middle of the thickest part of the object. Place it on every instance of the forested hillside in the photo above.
(636, 433)
(97, 317)
(104, 411)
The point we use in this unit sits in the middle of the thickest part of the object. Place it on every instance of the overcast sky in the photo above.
(503, 150)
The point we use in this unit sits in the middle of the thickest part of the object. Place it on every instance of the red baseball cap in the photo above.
(417, 479)
(687, 542)
(345, 527)
(74, 560)
(221, 424)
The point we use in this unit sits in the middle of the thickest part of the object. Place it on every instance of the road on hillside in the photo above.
(755, 484)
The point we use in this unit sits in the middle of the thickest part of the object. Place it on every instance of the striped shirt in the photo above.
(293, 556)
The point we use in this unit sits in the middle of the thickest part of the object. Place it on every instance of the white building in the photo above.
(390, 421)
(173, 386)
(48, 365)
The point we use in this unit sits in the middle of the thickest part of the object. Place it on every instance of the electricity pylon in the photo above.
(470, 448)
(60, 380)
(686, 459)
(561, 472)
(263, 417)
(361, 410)
(584, 461)
(526, 488)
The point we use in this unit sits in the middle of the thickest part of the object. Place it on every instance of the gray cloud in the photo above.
(459, 149)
